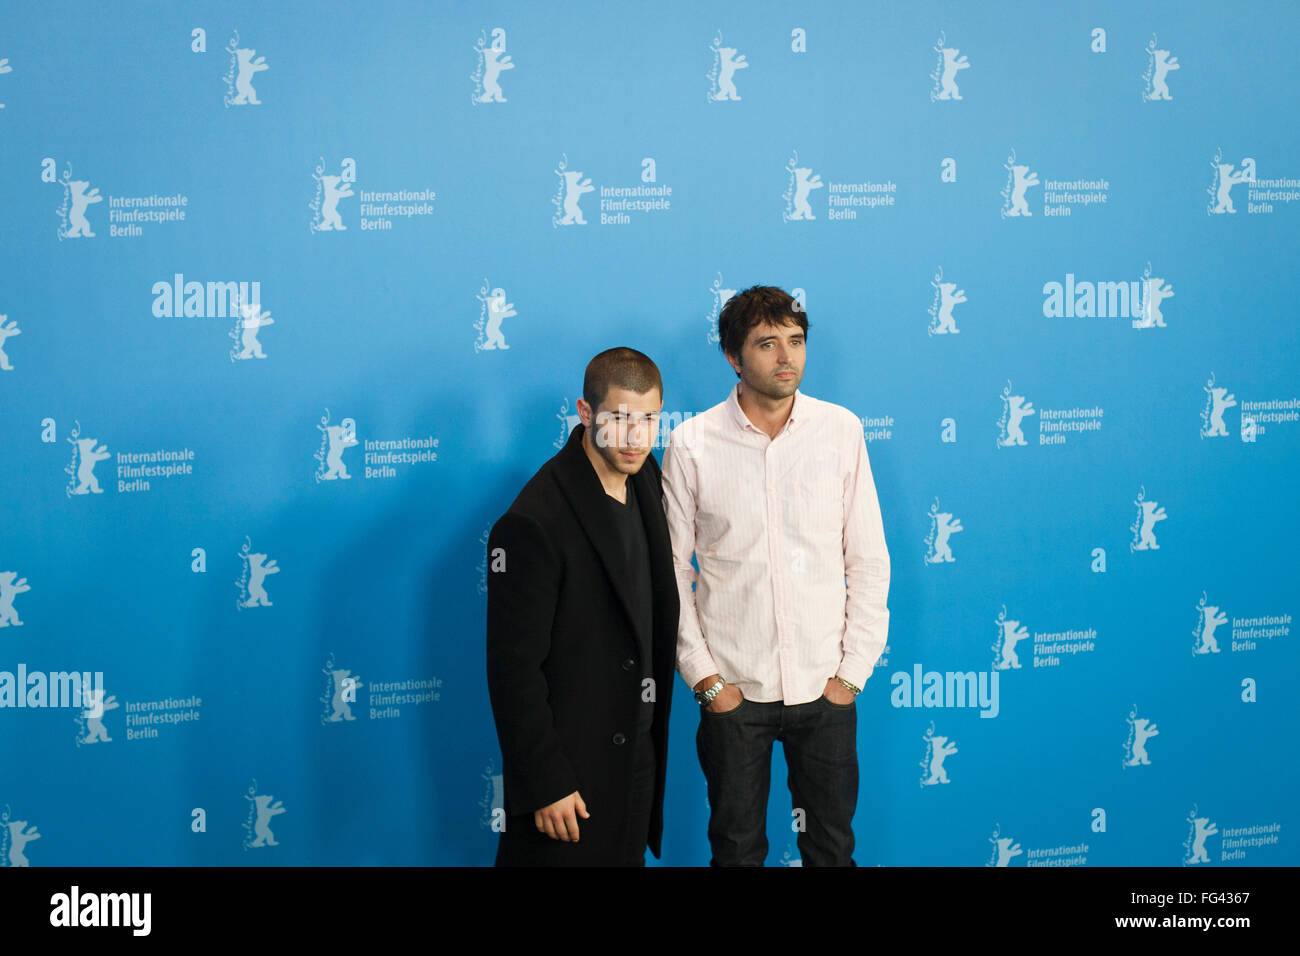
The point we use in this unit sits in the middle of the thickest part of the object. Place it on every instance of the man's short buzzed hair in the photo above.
(757, 305)
(620, 368)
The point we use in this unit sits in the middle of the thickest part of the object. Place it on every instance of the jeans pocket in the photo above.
(725, 713)
(834, 706)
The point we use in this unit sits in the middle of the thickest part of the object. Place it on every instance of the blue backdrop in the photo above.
(262, 270)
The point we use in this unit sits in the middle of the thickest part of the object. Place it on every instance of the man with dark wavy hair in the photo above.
(772, 492)
(582, 634)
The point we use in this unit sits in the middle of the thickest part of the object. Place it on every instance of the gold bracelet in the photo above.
(853, 690)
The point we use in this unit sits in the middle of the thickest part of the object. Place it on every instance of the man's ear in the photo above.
(584, 412)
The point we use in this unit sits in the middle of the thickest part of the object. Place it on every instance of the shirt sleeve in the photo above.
(866, 572)
(694, 662)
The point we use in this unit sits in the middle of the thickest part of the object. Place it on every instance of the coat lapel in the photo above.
(586, 495)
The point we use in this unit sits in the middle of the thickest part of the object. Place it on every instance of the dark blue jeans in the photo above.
(820, 744)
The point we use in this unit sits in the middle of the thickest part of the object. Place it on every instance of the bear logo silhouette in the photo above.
(252, 319)
(1220, 402)
(19, 837)
(805, 182)
(80, 225)
(345, 686)
(1151, 513)
(1143, 730)
(262, 827)
(245, 94)
(1211, 619)
(1162, 63)
(944, 527)
(494, 63)
(940, 750)
(949, 296)
(96, 704)
(1202, 828)
(1012, 633)
(1006, 849)
(1227, 179)
(1155, 292)
(87, 457)
(1017, 407)
(7, 330)
(948, 81)
(333, 192)
(258, 569)
(340, 437)
(729, 61)
(1023, 179)
(498, 310)
(575, 187)
(9, 589)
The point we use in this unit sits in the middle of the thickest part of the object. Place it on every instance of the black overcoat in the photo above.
(563, 660)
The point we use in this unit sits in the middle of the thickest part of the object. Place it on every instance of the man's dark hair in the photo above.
(757, 305)
(619, 368)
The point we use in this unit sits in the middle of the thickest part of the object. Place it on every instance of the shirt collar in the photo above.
(742, 420)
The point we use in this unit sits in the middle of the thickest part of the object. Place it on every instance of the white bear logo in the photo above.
(1217, 401)
(575, 187)
(7, 330)
(805, 182)
(1010, 633)
(939, 750)
(252, 319)
(1015, 408)
(265, 811)
(494, 63)
(495, 309)
(1227, 179)
(1159, 63)
(9, 589)
(246, 95)
(1151, 513)
(258, 569)
(333, 192)
(1143, 730)
(87, 457)
(1144, 535)
(1155, 292)
(19, 837)
(339, 437)
(1211, 619)
(1006, 849)
(942, 527)
(345, 686)
(1023, 179)
(949, 296)
(96, 704)
(729, 61)
(77, 192)
(948, 81)
(1202, 828)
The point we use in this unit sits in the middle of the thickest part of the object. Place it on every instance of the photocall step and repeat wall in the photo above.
(296, 298)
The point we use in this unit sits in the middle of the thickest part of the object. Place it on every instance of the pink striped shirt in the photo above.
(787, 532)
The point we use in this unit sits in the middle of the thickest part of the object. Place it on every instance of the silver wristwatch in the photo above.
(706, 696)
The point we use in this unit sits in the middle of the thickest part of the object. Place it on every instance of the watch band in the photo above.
(706, 696)
(851, 689)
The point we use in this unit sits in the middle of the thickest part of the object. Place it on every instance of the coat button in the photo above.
(629, 664)
(619, 739)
